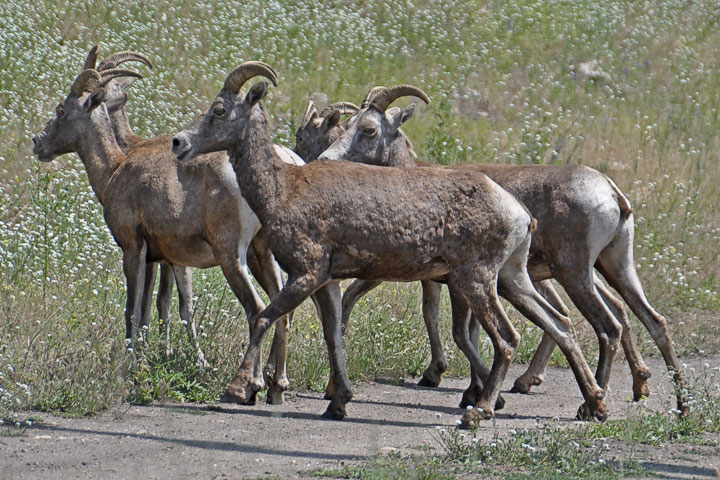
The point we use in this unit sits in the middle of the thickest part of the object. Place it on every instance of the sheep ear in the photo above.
(256, 93)
(330, 121)
(94, 100)
(398, 117)
(124, 82)
(116, 103)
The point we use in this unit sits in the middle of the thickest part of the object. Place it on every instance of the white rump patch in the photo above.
(288, 156)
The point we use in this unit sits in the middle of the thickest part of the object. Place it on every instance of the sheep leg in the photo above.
(266, 271)
(248, 381)
(183, 278)
(515, 286)
(164, 299)
(474, 288)
(329, 301)
(148, 287)
(617, 265)
(431, 315)
(356, 290)
(640, 372)
(134, 269)
(472, 395)
(535, 373)
(233, 262)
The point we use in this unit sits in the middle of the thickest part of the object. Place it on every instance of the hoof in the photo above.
(427, 382)
(587, 414)
(334, 412)
(275, 397)
(473, 418)
(246, 395)
(641, 393)
(499, 403)
(520, 388)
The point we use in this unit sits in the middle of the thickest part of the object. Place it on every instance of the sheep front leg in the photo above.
(134, 269)
(248, 381)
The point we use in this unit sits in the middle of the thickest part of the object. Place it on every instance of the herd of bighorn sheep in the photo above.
(220, 192)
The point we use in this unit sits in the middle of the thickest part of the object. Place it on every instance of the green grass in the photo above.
(502, 91)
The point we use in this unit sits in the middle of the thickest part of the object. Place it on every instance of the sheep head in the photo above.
(318, 131)
(373, 135)
(73, 115)
(228, 114)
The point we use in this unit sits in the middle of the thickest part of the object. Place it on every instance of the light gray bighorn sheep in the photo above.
(115, 99)
(161, 210)
(584, 222)
(329, 220)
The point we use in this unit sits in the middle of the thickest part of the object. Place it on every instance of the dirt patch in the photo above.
(196, 441)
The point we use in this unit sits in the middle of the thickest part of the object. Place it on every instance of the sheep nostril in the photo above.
(176, 142)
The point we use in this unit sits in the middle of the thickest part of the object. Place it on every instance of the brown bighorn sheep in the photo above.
(584, 222)
(115, 99)
(161, 210)
(331, 220)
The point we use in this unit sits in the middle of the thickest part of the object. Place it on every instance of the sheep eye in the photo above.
(219, 111)
(369, 131)
(59, 111)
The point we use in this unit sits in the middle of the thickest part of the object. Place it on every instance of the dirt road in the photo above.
(207, 441)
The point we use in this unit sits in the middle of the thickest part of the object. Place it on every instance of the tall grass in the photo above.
(503, 91)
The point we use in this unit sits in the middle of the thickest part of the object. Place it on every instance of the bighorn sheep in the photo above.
(584, 222)
(330, 220)
(161, 210)
(318, 130)
(115, 99)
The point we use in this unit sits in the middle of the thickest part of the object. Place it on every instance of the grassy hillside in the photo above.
(505, 89)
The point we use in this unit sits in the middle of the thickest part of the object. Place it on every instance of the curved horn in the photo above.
(384, 98)
(107, 75)
(121, 57)
(370, 95)
(309, 111)
(91, 59)
(85, 82)
(245, 71)
(345, 108)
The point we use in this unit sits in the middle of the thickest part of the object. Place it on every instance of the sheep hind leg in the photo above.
(472, 395)
(535, 373)
(164, 298)
(266, 271)
(616, 264)
(148, 287)
(183, 278)
(474, 287)
(432, 376)
(515, 286)
(329, 303)
(639, 371)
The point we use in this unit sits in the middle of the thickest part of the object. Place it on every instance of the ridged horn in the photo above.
(370, 95)
(87, 81)
(116, 59)
(345, 108)
(91, 59)
(107, 75)
(382, 100)
(245, 71)
(309, 111)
